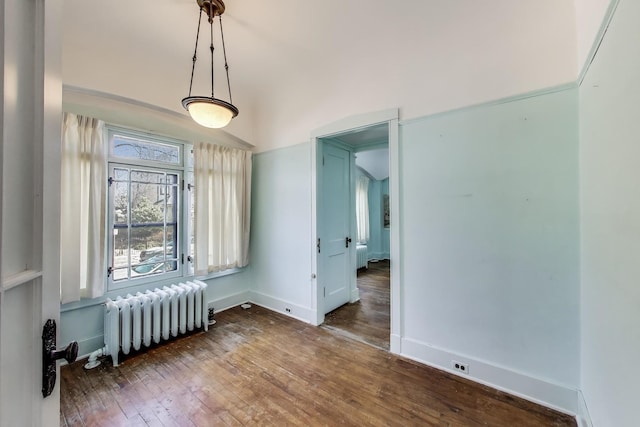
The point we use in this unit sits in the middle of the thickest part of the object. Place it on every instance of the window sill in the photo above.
(90, 302)
(221, 273)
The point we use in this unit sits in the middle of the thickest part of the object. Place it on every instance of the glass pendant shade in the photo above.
(209, 112)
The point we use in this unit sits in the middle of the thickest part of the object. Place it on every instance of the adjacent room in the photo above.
(367, 317)
(243, 212)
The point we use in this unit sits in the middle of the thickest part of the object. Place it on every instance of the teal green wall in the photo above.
(610, 224)
(281, 229)
(489, 235)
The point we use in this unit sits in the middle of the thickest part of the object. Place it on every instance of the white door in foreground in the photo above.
(30, 208)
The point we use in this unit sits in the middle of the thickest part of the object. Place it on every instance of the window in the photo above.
(146, 200)
(128, 211)
(129, 147)
(362, 208)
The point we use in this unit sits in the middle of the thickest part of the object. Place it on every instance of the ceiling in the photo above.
(143, 49)
(374, 162)
(377, 134)
(371, 147)
(296, 65)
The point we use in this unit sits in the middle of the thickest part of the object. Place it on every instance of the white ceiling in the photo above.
(366, 143)
(375, 162)
(297, 65)
(378, 134)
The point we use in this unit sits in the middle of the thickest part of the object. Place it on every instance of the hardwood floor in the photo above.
(256, 367)
(368, 319)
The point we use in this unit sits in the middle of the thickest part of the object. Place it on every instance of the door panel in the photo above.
(30, 123)
(335, 226)
(18, 356)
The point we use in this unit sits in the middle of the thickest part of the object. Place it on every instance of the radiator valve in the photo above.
(93, 361)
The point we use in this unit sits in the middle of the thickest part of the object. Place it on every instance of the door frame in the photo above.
(348, 124)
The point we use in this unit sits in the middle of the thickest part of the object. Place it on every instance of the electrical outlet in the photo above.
(460, 367)
(287, 309)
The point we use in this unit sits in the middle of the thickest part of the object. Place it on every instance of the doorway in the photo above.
(368, 319)
(365, 312)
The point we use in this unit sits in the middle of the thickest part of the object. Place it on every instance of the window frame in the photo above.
(184, 171)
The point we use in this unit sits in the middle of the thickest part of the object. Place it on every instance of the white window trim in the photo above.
(185, 173)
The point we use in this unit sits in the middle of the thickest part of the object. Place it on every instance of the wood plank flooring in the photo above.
(256, 367)
(367, 319)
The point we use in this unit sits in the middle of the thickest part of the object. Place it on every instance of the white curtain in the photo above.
(83, 206)
(222, 208)
(362, 208)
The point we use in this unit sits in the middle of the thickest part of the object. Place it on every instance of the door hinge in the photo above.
(182, 259)
(110, 181)
(324, 292)
(182, 186)
(322, 160)
(347, 240)
(109, 271)
(318, 245)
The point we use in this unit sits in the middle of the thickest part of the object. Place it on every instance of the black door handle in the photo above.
(347, 240)
(50, 355)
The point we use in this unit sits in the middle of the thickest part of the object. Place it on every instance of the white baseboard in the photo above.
(555, 396)
(583, 417)
(89, 345)
(379, 255)
(229, 301)
(395, 344)
(355, 295)
(304, 314)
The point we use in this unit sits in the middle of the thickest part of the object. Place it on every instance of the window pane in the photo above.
(146, 207)
(191, 211)
(120, 254)
(121, 174)
(134, 148)
(171, 194)
(120, 202)
(172, 247)
(120, 274)
(147, 177)
(148, 268)
(148, 239)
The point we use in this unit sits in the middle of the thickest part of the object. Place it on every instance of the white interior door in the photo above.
(335, 220)
(30, 207)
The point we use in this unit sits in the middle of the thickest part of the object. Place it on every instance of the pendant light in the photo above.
(210, 111)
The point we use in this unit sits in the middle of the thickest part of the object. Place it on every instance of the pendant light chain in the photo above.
(226, 66)
(209, 111)
(212, 15)
(195, 53)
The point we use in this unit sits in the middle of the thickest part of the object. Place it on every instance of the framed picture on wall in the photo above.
(385, 210)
